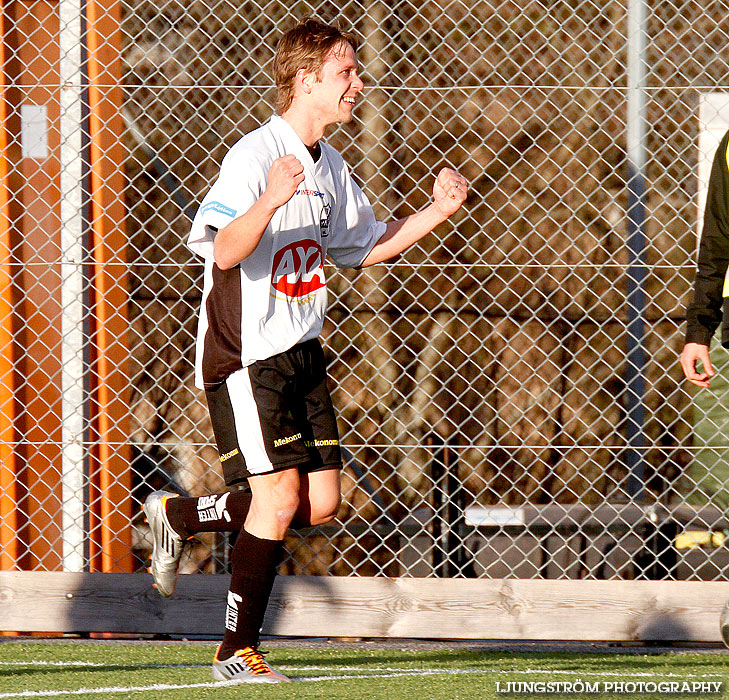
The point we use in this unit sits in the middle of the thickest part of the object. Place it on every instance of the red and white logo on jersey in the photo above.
(298, 269)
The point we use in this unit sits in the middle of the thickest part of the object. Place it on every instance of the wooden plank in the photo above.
(512, 609)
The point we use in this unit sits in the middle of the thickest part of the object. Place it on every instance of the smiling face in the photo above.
(331, 94)
(305, 48)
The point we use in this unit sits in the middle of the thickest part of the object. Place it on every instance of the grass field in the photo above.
(176, 670)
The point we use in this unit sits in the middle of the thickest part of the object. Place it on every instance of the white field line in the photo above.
(364, 669)
(97, 664)
(112, 690)
(222, 684)
(363, 674)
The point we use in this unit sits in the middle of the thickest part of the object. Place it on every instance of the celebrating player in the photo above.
(284, 200)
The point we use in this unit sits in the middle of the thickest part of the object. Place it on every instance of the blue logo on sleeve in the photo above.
(218, 207)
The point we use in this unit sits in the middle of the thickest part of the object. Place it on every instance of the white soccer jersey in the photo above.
(277, 296)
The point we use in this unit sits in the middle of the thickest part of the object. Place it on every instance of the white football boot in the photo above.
(246, 666)
(167, 544)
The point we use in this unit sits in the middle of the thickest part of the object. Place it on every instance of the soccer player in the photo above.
(284, 200)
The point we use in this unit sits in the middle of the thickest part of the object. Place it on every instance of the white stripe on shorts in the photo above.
(247, 422)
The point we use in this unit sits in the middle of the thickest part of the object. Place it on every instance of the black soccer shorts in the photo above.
(276, 414)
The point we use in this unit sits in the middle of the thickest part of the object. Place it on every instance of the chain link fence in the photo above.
(508, 391)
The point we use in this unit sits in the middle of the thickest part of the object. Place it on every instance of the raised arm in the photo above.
(449, 192)
(236, 241)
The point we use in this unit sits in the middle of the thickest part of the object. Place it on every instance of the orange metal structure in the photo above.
(110, 459)
(31, 507)
(9, 519)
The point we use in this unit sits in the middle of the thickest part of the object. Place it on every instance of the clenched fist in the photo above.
(284, 176)
(449, 191)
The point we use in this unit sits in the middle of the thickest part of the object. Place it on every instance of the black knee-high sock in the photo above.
(225, 512)
(254, 562)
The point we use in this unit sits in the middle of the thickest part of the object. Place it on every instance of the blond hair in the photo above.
(306, 47)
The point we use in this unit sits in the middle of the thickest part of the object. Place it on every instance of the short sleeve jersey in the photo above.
(277, 296)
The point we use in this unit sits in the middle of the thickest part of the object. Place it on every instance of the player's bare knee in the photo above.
(327, 511)
(286, 507)
(284, 516)
(323, 519)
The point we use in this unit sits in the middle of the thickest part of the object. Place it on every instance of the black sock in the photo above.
(225, 512)
(254, 562)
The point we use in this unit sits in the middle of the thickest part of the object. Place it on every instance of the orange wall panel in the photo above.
(30, 296)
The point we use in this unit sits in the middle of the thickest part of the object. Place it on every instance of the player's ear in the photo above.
(305, 80)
